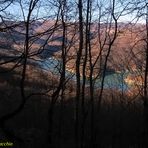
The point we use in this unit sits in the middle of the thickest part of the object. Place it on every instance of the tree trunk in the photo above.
(145, 97)
(78, 62)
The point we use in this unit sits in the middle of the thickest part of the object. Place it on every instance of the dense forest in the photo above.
(74, 73)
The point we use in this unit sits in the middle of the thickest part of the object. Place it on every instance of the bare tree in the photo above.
(78, 62)
(24, 56)
(146, 75)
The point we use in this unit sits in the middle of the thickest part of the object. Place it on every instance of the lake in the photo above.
(112, 80)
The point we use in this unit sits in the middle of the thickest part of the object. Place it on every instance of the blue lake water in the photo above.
(111, 81)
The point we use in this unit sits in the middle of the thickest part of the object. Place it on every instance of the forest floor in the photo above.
(116, 125)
